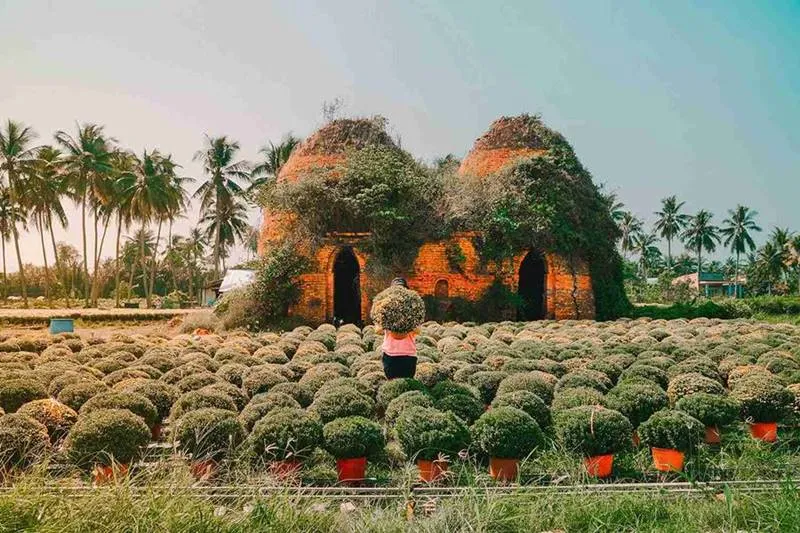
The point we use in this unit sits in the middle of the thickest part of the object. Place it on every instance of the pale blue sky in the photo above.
(697, 99)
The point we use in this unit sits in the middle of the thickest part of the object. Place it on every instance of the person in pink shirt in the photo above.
(399, 349)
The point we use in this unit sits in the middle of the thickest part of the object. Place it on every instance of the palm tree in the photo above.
(17, 158)
(89, 163)
(274, 157)
(194, 248)
(223, 185)
(670, 223)
(701, 235)
(630, 226)
(794, 257)
(781, 238)
(645, 245)
(616, 209)
(771, 262)
(124, 165)
(234, 227)
(736, 230)
(11, 216)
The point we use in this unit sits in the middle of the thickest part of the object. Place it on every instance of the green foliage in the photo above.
(106, 435)
(487, 383)
(353, 437)
(465, 407)
(636, 400)
(200, 399)
(208, 434)
(131, 401)
(584, 377)
(448, 388)
(525, 401)
(76, 394)
(455, 256)
(297, 391)
(672, 430)
(395, 387)
(397, 406)
(16, 392)
(23, 440)
(162, 395)
(593, 430)
(507, 432)
(284, 433)
(646, 371)
(575, 397)
(535, 382)
(686, 384)
(710, 409)
(56, 417)
(425, 433)
(398, 310)
(762, 398)
(262, 404)
(341, 402)
(261, 380)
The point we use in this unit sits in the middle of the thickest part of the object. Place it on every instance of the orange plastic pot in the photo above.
(712, 435)
(351, 469)
(599, 465)
(766, 431)
(155, 432)
(635, 438)
(203, 470)
(102, 474)
(503, 469)
(667, 460)
(430, 471)
(286, 468)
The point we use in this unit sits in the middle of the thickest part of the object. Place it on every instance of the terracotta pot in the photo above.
(635, 438)
(286, 468)
(430, 471)
(712, 435)
(102, 475)
(667, 460)
(599, 465)
(503, 469)
(155, 432)
(204, 470)
(766, 431)
(351, 469)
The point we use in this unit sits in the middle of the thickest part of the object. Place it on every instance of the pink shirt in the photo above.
(398, 346)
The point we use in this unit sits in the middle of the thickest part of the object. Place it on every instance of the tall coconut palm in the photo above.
(630, 226)
(700, 235)
(195, 248)
(88, 159)
(11, 216)
(645, 244)
(616, 209)
(226, 177)
(124, 165)
(771, 262)
(17, 157)
(273, 159)
(670, 223)
(794, 257)
(736, 229)
(234, 227)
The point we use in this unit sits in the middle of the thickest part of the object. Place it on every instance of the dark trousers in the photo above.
(399, 366)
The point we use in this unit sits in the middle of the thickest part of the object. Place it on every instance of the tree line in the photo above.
(141, 193)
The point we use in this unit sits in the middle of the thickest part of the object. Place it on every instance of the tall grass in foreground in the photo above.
(171, 506)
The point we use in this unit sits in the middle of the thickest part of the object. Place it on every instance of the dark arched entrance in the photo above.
(346, 287)
(532, 287)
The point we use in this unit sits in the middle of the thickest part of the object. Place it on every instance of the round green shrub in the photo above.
(575, 397)
(262, 404)
(76, 394)
(200, 399)
(68, 378)
(23, 440)
(297, 391)
(352, 383)
(233, 392)
(353, 437)
(487, 383)
(652, 373)
(56, 417)
(584, 377)
(233, 373)
(16, 392)
(123, 375)
(426, 433)
(710, 409)
(398, 309)
(162, 395)
(609, 368)
(397, 406)
(686, 384)
(700, 365)
(740, 372)
(467, 408)
(318, 375)
(284, 433)
(507, 433)
(395, 387)
(593, 430)
(105, 436)
(133, 402)
(341, 402)
(259, 381)
(672, 430)
(449, 387)
(539, 383)
(762, 398)
(637, 400)
(525, 401)
(208, 434)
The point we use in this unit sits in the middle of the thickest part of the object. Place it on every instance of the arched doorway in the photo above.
(532, 287)
(346, 287)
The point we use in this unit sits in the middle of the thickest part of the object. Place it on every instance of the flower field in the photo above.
(535, 403)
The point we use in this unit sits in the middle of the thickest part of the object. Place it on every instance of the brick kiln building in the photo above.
(554, 287)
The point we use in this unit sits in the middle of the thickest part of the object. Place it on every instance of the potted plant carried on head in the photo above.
(283, 438)
(351, 440)
(431, 436)
(715, 411)
(764, 401)
(506, 435)
(107, 440)
(671, 435)
(207, 435)
(597, 433)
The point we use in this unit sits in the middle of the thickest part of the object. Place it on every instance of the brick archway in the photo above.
(532, 286)
(330, 283)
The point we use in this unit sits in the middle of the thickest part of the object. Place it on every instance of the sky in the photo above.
(697, 99)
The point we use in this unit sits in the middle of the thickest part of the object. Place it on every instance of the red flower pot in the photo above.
(351, 469)
(766, 431)
(102, 475)
(204, 470)
(430, 471)
(599, 465)
(667, 460)
(503, 469)
(286, 468)
(712, 435)
(155, 432)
